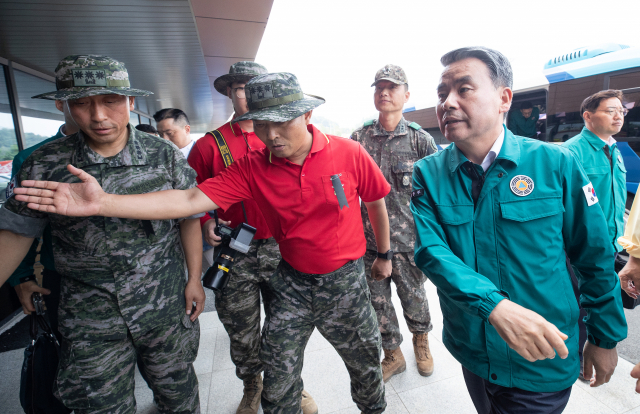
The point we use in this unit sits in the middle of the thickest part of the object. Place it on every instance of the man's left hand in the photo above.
(194, 293)
(603, 360)
(630, 277)
(635, 373)
(381, 269)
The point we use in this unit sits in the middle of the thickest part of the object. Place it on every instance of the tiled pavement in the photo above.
(326, 379)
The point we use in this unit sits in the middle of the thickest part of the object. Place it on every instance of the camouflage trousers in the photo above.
(238, 305)
(98, 376)
(409, 282)
(339, 305)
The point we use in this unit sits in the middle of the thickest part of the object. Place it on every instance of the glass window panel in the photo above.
(8, 140)
(40, 117)
(133, 118)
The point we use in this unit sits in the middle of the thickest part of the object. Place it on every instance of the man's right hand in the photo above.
(79, 200)
(630, 277)
(209, 234)
(25, 290)
(528, 333)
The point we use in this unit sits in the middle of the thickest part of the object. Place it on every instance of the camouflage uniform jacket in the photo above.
(118, 274)
(395, 152)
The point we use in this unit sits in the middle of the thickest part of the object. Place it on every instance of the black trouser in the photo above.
(51, 281)
(491, 398)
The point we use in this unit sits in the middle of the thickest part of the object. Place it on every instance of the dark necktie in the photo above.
(477, 181)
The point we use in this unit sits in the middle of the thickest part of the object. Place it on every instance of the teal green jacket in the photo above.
(514, 246)
(526, 127)
(608, 179)
(46, 254)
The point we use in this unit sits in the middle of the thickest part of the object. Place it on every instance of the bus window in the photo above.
(629, 84)
(563, 106)
(538, 100)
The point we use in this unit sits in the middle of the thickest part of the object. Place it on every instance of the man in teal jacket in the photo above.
(23, 279)
(596, 150)
(523, 122)
(494, 215)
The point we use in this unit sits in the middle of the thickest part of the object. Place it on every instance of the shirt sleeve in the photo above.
(471, 291)
(183, 176)
(15, 216)
(204, 170)
(230, 186)
(631, 239)
(589, 248)
(372, 185)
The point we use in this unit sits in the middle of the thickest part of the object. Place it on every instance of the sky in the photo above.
(336, 47)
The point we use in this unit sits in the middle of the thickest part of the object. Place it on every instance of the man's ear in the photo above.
(229, 92)
(187, 128)
(307, 117)
(132, 101)
(586, 115)
(506, 97)
(60, 105)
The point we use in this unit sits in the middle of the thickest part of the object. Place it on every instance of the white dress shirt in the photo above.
(493, 152)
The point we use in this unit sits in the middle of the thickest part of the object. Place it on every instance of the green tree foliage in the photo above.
(9, 144)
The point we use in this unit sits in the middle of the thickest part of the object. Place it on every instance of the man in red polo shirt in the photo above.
(238, 305)
(307, 186)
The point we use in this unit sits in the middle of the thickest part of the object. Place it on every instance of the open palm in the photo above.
(80, 199)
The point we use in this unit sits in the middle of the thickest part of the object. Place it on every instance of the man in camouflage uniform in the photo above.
(238, 305)
(307, 185)
(123, 288)
(395, 145)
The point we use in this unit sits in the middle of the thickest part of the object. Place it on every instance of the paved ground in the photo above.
(327, 380)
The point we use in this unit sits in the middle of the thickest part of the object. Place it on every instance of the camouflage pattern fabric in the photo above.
(277, 97)
(339, 305)
(118, 275)
(395, 152)
(79, 76)
(98, 376)
(391, 73)
(238, 305)
(242, 72)
(409, 281)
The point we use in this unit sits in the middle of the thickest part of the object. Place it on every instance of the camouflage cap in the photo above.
(242, 71)
(277, 97)
(79, 76)
(391, 73)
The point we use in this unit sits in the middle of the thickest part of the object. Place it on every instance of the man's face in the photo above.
(172, 131)
(526, 113)
(104, 118)
(284, 139)
(389, 96)
(469, 105)
(238, 98)
(601, 122)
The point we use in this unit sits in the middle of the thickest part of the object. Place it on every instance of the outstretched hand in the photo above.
(80, 199)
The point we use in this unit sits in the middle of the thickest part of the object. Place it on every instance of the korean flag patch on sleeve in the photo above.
(590, 194)
(8, 192)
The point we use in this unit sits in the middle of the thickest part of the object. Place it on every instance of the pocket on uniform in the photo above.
(329, 193)
(402, 170)
(69, 387)
(531, 209)
(190, 338)
(455, 214)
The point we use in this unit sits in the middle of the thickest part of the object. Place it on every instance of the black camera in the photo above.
(233, 241)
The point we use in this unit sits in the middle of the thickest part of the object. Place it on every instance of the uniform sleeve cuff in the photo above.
(25, 226)
(489, 304)
(601, 344)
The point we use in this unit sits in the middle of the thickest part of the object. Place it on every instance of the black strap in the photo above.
(477, 181)
(223, 147)
(227, 157)
(607, 151)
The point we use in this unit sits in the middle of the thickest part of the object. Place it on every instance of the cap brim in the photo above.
(396, 81)
(221, 83)
(83, 92)
(284, 112)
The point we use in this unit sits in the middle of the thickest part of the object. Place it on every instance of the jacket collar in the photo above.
(320, 141)
(133, 153)
(401, 128)
(510, 151)
(592, 139)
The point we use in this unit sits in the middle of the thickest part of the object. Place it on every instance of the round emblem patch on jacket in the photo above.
(521, 185)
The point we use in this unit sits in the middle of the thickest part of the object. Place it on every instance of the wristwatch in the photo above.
(388, 255)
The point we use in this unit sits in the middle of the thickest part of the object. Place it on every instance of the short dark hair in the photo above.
(149, 129)
(526, 105)
(177, 115)
(592, 102)
(499, 66)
